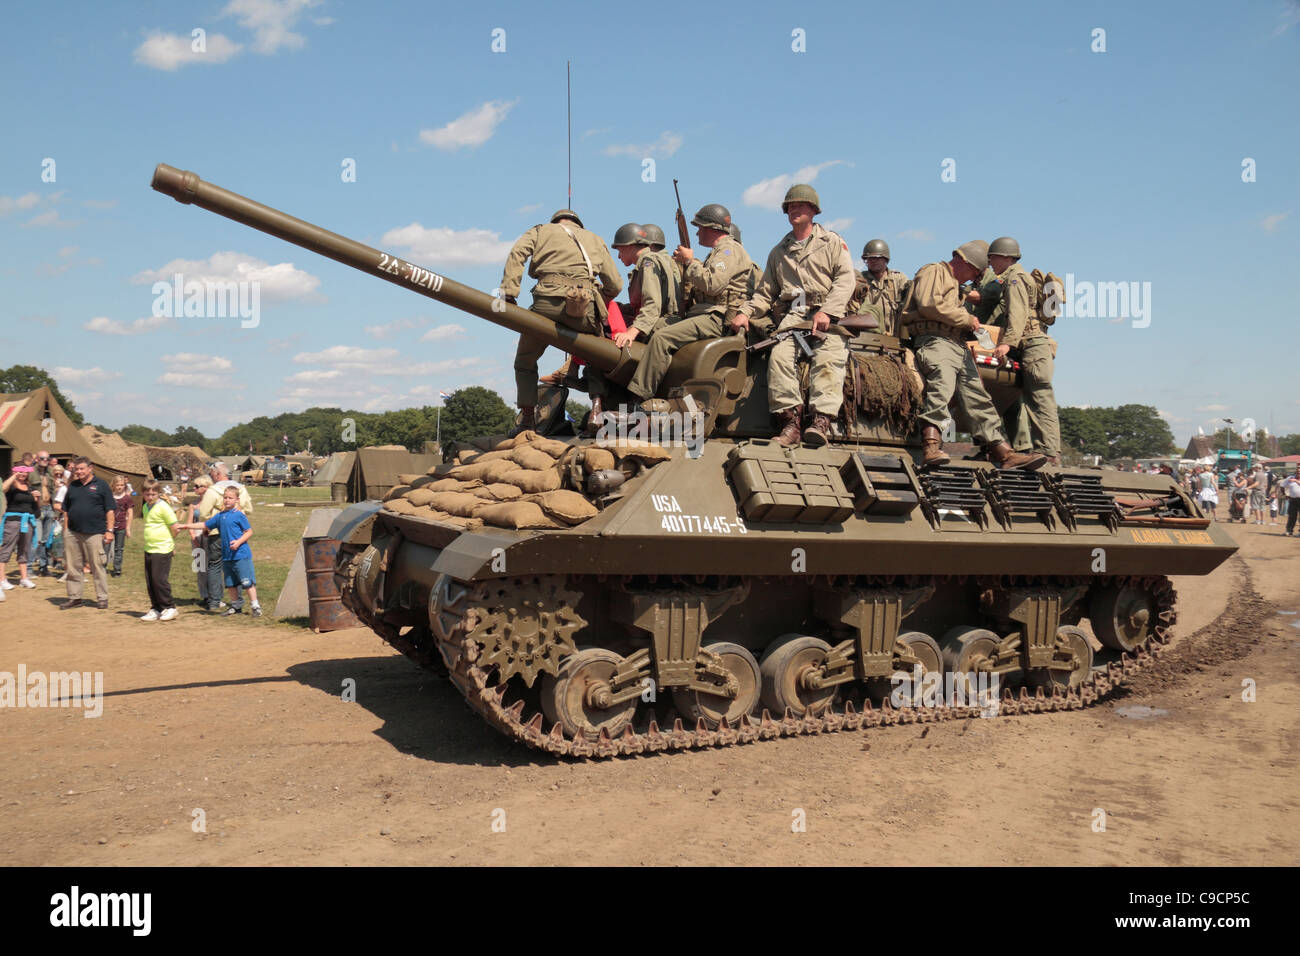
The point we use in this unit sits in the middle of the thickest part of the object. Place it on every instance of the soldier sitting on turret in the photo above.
(807, 281)
(719, 284)
(655, 288)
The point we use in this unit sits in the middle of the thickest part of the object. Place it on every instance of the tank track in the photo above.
(460, 654)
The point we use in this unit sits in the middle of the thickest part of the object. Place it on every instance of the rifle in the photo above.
(683, 236)
(799, 336)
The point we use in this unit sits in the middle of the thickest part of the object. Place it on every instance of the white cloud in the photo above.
(199, 361)
(449, 247)
(532, 207)
(1290, 16)
(48, 218)
(388, 329)
(444, 333)
(667, 144)
(282, 282)
(1270, 223)
(271, 21)
(386, 362)
(316, 375)
(83, 398)
(195, 380)
(471, 129)
(1212, 408)
(99, 203)
(108, 326)
(10, 204)
(920, 235)
(83, 376)
(837, 225)
(768, 193)
(170, 51)
(69, 250)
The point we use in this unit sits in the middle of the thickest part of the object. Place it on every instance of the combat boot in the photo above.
(1002, 455)
(819, 432)
(1054, 461)
(527, 419)
(934, 453)
(596, 418)
(791, 421)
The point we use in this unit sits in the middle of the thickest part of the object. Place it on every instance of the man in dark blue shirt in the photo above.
(88, 511)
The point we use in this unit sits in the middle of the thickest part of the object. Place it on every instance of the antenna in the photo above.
(568, 100)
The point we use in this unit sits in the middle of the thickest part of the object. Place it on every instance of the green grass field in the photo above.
(277, 529)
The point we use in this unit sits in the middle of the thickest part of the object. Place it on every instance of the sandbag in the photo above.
(420, 496)
(597, 459)
(421, 481)
(567, 506)
(409, 479)
(523, 438)
(533, 482)
(641, 451)
(516, 514)
(502, 455)
(549, 446)
(532, 459)
(399, 506)
(457, 503)
(486, 471)
(498, 492)
(397, 492)
(433, 514)
(451, 484)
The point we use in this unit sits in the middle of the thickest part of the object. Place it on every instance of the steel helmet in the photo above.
(713, 216)
(876, 247)
(1004, 246)
(802, 193)
(653, 236)
(566, 214)
(628, 234)
(976, 252)
(735, 231)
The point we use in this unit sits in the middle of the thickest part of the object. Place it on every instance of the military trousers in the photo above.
(950, 373)
(1036, 366)
(531, 348)
(825, 380)
(664, 342)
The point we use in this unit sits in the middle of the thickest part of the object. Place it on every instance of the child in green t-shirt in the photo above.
(160, 529)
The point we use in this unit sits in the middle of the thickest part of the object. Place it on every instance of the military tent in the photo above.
(35, 421)
(329, 472)
(375, 470)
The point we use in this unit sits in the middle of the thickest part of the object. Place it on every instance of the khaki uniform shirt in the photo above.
(936, 304)
(821, 269)
(655, 289)
(1017, 309)
(889, 292)
(556, 263)
(723, 281)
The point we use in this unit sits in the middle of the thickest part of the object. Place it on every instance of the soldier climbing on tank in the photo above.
(1025, 339)
(880, 290)
(575, 277)
(938, 325)
(655, 288)
(718, 288)
(807, 283)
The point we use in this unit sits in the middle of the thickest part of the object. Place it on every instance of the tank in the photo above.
(621, 596)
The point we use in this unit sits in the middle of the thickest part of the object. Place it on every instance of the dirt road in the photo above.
(247, 726)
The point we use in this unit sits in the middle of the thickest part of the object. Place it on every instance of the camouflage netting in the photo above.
(520, 483)
(882, 386)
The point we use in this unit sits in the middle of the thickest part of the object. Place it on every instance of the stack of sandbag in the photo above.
(526, 482)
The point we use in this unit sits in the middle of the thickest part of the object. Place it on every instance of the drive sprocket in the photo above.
(525, 624)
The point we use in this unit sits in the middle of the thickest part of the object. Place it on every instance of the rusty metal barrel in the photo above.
(186, 187)
(325, 611)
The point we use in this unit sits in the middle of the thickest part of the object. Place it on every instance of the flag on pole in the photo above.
(443, 395)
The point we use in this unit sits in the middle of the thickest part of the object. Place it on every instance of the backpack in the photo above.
(1049, 296)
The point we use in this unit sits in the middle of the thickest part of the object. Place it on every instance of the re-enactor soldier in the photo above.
(880, 291)
(719, 286)
(655, 288)
(938, 324)
(1024, 337)
(807, 282)
(575, 274)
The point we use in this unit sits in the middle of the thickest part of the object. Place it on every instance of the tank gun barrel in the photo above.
(186, 187)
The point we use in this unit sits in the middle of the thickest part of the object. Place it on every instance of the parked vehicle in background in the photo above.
(1230, 458)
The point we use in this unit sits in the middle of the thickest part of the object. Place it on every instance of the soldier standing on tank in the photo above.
(938, 324)
(807, 281)
(655, 288)
(1017, 312)
(562, 257)
(880, 290)
(718, 284)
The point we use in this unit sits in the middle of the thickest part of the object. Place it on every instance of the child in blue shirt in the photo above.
(236, 556)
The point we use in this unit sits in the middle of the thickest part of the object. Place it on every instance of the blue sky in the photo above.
(1117, 166)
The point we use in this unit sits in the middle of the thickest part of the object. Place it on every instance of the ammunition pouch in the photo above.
(577, 300)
